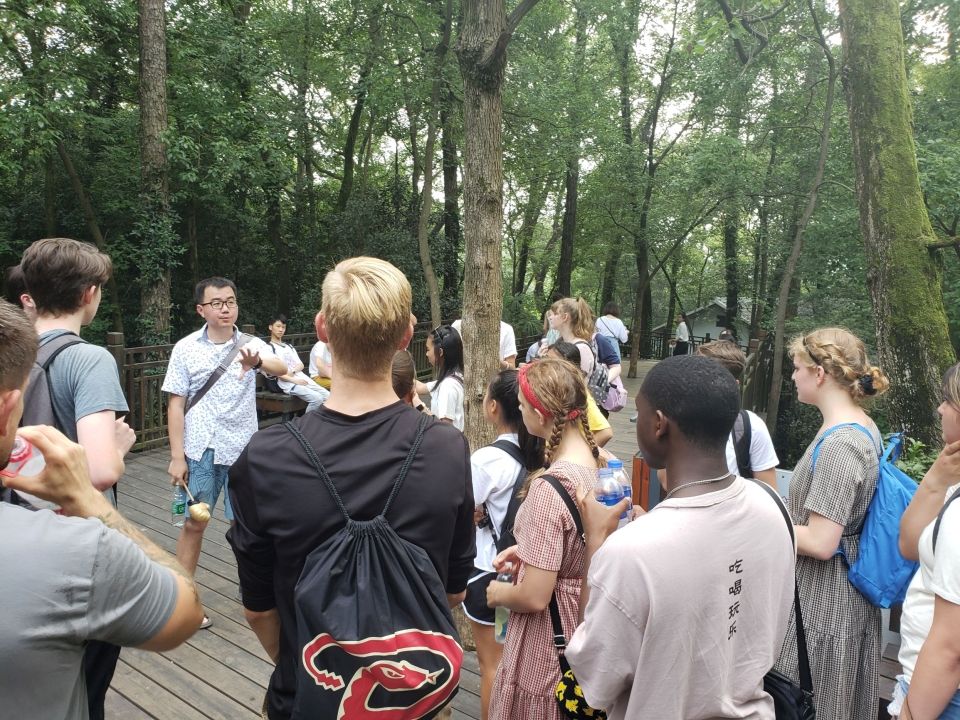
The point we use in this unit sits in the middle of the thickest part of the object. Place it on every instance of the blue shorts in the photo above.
(207, 479)
(950, 712)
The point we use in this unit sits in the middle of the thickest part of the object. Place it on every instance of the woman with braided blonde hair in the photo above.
(549, 551)
(830, 491)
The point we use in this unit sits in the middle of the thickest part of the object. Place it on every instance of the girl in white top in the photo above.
(930, 624)
(445, 355)
(495, 474)
(573, 319)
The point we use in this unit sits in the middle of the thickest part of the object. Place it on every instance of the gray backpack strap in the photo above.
(218, 372)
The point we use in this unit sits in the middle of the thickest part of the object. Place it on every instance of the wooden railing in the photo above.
(757, 376)
(143, 369)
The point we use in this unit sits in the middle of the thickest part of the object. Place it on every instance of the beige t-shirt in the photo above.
(688, 609)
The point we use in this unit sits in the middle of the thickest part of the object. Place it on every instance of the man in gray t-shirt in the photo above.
(68, 581)
(65, 279)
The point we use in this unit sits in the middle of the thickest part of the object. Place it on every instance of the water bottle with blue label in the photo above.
(620, 475)
(609, 491)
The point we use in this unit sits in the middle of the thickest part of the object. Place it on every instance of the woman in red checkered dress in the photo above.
(553, 399)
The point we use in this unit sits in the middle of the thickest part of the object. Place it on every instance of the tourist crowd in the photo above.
(358, 526)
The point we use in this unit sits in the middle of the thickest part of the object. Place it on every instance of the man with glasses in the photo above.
(212, 412)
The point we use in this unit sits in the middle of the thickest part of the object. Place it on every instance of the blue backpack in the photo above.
(881, 573)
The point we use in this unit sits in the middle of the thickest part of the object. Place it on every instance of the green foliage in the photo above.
(916, 458)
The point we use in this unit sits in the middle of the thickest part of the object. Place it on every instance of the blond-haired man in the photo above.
(361, 435)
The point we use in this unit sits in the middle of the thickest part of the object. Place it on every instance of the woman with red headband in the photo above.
(549, 551)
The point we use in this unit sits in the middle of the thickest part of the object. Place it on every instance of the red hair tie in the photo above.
(573, 414)
(528, 391)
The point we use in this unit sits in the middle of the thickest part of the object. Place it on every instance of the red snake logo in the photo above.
(390, 663)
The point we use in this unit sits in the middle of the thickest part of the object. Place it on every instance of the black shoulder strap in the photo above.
(325, 477)
(803, 659)
(559, 639)
(514, 505)
(936, 525)
(742, 437)
(218, 371)
(510, 449)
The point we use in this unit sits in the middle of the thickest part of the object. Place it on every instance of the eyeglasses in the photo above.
(229, 303)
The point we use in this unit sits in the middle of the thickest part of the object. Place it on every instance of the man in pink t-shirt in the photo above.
(685, 609)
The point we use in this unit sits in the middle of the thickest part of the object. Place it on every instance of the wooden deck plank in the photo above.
(221, 672)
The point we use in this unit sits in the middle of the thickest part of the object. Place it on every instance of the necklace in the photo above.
(697, 482)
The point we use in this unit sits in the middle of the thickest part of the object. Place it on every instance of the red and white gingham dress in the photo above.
(547, 539)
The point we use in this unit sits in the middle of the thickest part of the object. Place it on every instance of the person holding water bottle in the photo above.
(549, 556)
(496, 470)
(685, 609)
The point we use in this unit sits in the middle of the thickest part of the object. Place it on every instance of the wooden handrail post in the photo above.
(115, 344)
(248, 328)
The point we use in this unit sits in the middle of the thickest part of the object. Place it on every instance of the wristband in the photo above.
(259, 364)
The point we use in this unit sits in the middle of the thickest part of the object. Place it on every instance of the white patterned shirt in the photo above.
(226, 417)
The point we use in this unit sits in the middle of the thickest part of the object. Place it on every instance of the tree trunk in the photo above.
(92, 227)
(731, 221)
(541, 274)
(568, 236)
(451, 202)
(531, 216)
(350, 145)
(158, 238)
(485, 32)
(569, 231)
(49, 197)
(426, 197)
(904, 280)
(281, 252)
(786, 282)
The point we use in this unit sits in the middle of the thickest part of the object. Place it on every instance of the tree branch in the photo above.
(494, 53)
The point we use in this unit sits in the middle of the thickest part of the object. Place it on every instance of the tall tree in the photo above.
(157, 237)
(485, 33)
(904, 280)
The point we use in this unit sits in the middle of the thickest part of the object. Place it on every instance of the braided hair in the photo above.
(560, 389)
(843, 357)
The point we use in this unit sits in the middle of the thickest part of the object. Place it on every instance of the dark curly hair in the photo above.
(698, 394)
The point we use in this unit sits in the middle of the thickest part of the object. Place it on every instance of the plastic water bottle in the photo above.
(500, 613)
(178, 506)
(609, 491)
(620, 475)
(25, 459)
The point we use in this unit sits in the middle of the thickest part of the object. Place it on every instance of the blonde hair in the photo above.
(560, 388)
(581, 316)
(843, 356)
(366, 306)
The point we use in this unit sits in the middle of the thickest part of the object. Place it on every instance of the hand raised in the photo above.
(249, 359)
(65, 478)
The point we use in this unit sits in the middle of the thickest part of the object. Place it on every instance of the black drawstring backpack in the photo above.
(374, 632)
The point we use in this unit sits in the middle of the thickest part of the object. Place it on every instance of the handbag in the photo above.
(791, 701)
(568, 693)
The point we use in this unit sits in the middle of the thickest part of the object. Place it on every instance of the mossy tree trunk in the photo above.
(904, 278)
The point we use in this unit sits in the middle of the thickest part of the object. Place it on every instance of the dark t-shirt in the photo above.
(283, 511)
